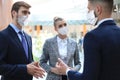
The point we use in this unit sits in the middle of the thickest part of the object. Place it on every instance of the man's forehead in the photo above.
(23, 8)
(97, 0)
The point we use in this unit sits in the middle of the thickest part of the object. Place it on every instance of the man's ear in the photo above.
(98, 10)
(13, 13)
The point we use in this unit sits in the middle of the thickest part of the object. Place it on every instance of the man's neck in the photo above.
(17, 25)
(104, 16)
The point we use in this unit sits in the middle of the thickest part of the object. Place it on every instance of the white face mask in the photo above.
(92, 19)
(23, 20)
(63, 30)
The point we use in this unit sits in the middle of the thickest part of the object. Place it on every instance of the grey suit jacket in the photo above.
(50, 56)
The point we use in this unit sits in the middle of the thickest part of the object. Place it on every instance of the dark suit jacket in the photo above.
(12, 56)
(102, 54)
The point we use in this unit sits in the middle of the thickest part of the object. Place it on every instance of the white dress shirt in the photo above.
(62, 47)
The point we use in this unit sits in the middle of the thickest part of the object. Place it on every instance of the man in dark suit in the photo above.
(101, 47)
(16, 48)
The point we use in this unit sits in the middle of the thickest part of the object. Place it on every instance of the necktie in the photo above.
(24, 43)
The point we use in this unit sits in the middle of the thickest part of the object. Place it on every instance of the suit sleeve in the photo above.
(45, 57)
(5, 68)
(74, 75)
(77, 62)
(92, 59)
(31, 49)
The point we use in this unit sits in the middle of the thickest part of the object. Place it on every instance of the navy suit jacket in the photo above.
(102, 54)
(12, 56)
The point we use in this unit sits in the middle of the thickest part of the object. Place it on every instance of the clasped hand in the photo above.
(61, 67)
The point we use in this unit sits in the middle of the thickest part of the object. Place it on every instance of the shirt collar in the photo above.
(103, 20)
(60, 40)
(15, 28)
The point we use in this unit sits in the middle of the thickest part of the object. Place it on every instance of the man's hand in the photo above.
(35, 70)
(54, 70)
(61, 67)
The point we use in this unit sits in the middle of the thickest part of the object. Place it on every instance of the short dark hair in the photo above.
(16, 6)
(108, 3)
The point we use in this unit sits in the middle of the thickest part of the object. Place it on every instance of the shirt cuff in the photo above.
(67, 71)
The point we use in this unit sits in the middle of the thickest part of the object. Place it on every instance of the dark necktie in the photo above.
(24, 43)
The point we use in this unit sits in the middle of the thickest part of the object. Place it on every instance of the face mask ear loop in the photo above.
(91, 17)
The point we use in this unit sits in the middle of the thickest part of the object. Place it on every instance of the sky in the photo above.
(42, 10)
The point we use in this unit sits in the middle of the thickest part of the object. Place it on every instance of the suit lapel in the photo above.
(68, 49)
(16, 39)
(55, 46)
(15, 36)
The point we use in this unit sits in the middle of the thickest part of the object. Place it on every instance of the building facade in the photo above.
(5, 13)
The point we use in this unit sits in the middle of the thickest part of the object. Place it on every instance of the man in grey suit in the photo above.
(62, 47)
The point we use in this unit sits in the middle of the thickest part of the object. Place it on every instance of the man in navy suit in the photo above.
(16, 60)
(101, 47)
